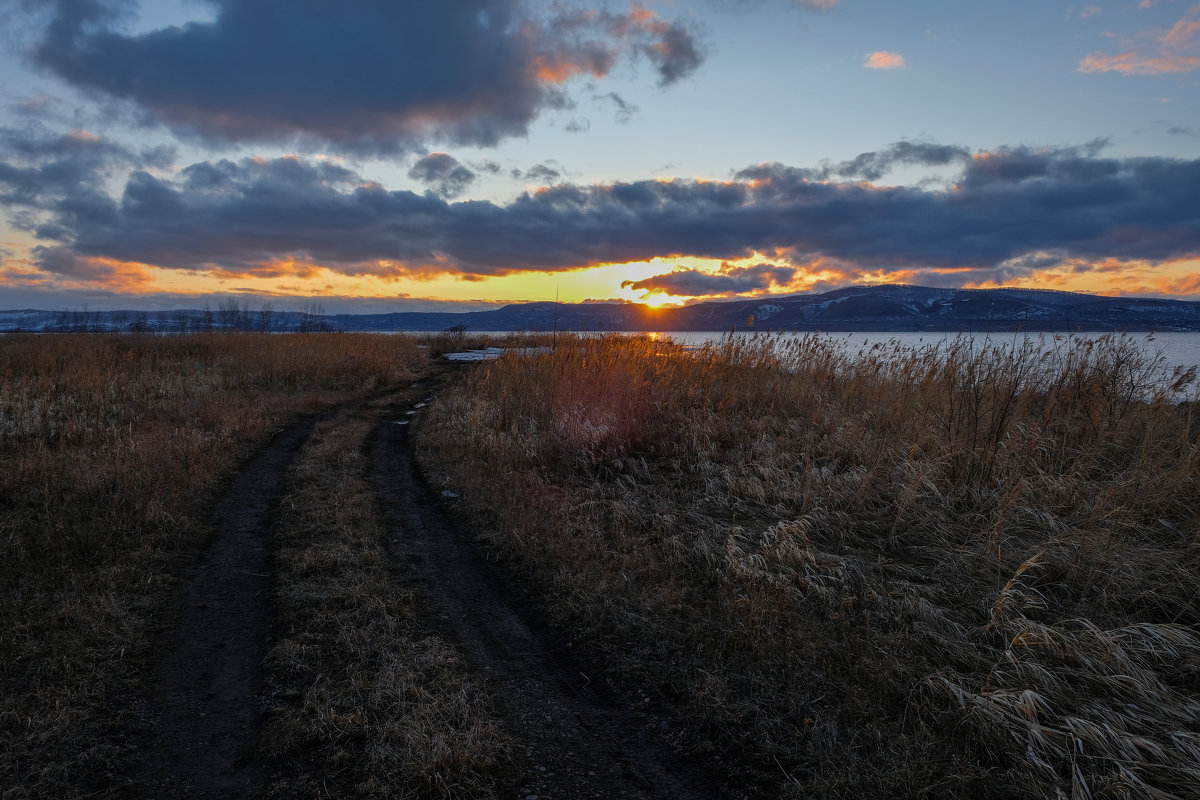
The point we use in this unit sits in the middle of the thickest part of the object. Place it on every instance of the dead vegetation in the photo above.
(112, 448)
(968, 569)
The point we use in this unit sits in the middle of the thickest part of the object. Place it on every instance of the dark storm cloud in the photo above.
(730, 280)
(373, 76)
(1006, 207)
(443, 174)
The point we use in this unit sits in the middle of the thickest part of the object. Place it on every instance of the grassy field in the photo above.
(113, 448)
(936, 572)
(961, 570)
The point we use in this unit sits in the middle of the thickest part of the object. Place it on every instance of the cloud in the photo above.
(369, 76)
(882, 59)
(1089, 11)
(675, 52)
(545, 174)
(52, 182)
(1021, 165)
(624, 109)
(1166, 52)
(248, 216)
(542, 173)
(80, 270)
(1131, 63)
(728, 281)
(443, 174)
(34, 290)
(873, 165)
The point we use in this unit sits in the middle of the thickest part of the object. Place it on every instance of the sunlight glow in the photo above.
(658, 300)
(283, 281)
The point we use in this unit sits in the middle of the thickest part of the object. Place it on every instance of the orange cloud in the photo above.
(882, 59)
(16, 277)
(1171, 52)
(553, 69)
(1109, 276)
(1130, 63)
(65, 268)
(279, 268)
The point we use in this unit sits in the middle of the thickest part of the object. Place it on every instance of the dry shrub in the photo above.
(112, 446)
(968, 567)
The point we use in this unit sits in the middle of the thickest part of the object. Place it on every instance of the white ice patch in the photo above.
(492, 353)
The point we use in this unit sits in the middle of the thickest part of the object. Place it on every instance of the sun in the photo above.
(659, 299)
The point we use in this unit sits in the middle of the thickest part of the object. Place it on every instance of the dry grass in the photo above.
(112, 447)
(366, 703)
(965, 569)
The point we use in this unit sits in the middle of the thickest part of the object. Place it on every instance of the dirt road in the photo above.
(576, 738)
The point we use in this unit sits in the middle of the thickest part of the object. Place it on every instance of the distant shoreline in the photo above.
(886, 308)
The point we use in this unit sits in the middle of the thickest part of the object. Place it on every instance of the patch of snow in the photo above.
(492, 353)
(489, 354)
(767, 310)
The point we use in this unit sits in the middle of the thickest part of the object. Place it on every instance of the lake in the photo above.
(1177, 349)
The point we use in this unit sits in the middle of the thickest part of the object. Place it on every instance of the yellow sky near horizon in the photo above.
(285, 281)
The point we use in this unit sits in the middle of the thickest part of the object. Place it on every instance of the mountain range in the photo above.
(860, 308)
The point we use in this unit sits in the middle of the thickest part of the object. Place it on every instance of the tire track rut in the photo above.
(204, 710)
(579, 740)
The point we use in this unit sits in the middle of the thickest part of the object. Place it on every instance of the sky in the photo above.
(396, 155)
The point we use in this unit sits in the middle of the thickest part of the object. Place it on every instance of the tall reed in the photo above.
(963, 567)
